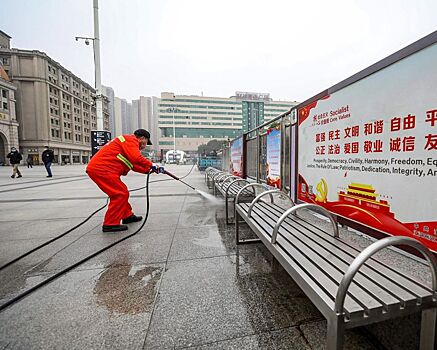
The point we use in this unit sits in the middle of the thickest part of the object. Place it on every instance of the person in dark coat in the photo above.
(47, 158)
(29, 161)
(15, 158)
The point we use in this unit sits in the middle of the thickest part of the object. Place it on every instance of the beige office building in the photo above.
(8, 120)
(54, 106)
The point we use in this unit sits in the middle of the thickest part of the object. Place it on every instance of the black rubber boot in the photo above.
(114, 228)
(132, 218)
(20, 176)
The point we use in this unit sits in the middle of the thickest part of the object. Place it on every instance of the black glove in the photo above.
(156, 168)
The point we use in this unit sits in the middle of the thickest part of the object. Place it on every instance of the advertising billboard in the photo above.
(273, 167)
(236, 163)
(368, 152)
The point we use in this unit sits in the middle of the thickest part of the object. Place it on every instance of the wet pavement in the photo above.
(181, 282)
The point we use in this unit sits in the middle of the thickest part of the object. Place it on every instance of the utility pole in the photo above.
(98, 74)
(99, 137)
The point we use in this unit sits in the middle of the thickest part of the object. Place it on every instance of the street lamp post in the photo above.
(97, 70)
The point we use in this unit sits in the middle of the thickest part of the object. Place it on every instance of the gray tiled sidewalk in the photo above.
(180, 283)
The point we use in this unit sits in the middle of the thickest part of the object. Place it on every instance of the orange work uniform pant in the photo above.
(119, 207)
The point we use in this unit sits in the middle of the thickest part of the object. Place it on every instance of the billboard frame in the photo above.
(405, 52)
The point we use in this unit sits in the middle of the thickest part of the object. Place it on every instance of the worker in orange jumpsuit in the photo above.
(113, 160)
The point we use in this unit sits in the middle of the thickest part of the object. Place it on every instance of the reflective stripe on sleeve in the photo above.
(125, 161)
(121, 138)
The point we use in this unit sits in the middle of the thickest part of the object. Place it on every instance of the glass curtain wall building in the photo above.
(195, 120)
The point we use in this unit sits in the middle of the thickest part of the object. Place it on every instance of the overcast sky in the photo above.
(290, 49)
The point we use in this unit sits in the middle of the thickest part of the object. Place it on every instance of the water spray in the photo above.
(205, 195)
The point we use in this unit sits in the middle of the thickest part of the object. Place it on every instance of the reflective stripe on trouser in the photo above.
(15, 169)
(119, 207)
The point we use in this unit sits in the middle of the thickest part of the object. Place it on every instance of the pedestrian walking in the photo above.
(29, 161)
(116, 159)
(15, 158)
(47, 158)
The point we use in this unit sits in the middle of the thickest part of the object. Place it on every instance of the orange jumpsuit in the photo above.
(114, 159)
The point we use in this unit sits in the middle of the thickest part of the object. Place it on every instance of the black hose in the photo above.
(71, 267)
(53, 239)
(80, 224)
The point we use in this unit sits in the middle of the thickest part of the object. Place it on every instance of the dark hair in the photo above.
(143, 133)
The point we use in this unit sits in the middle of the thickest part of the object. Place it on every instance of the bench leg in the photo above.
(237, 232)
(237, 228)
(226, 208)
(428, 328)
(335, 335)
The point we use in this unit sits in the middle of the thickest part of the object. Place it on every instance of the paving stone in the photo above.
(315, 333)
(209, 300)
(90, 309)
(283, 339)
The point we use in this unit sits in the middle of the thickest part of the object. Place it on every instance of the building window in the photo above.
(5, 105)
(4, 93)
(5, 61)
(55, 133)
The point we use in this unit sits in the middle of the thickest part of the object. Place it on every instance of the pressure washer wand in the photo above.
(178, 179)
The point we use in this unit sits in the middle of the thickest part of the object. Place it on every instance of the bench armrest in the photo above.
(218, 173)
(270, 193)
(221, 177)
(232, 182)
(212, 170)
(227, 178)
(255, 184)
(374, 248)
(313, 207)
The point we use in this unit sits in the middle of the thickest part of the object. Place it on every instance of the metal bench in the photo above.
(210, 174)
(349, 287)
(229, 186)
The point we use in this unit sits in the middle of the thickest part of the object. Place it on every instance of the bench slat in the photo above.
(318, 269)
(367, 283)
(362, 288)
(233, 190)
(383, 273)
(324, 287)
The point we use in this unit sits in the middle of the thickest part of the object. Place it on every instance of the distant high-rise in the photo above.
(118, 122)
(123, 114)
(109, 93)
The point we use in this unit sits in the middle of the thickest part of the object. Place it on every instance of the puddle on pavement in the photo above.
(128, 289)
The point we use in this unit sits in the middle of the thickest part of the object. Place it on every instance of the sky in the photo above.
(290, 49)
